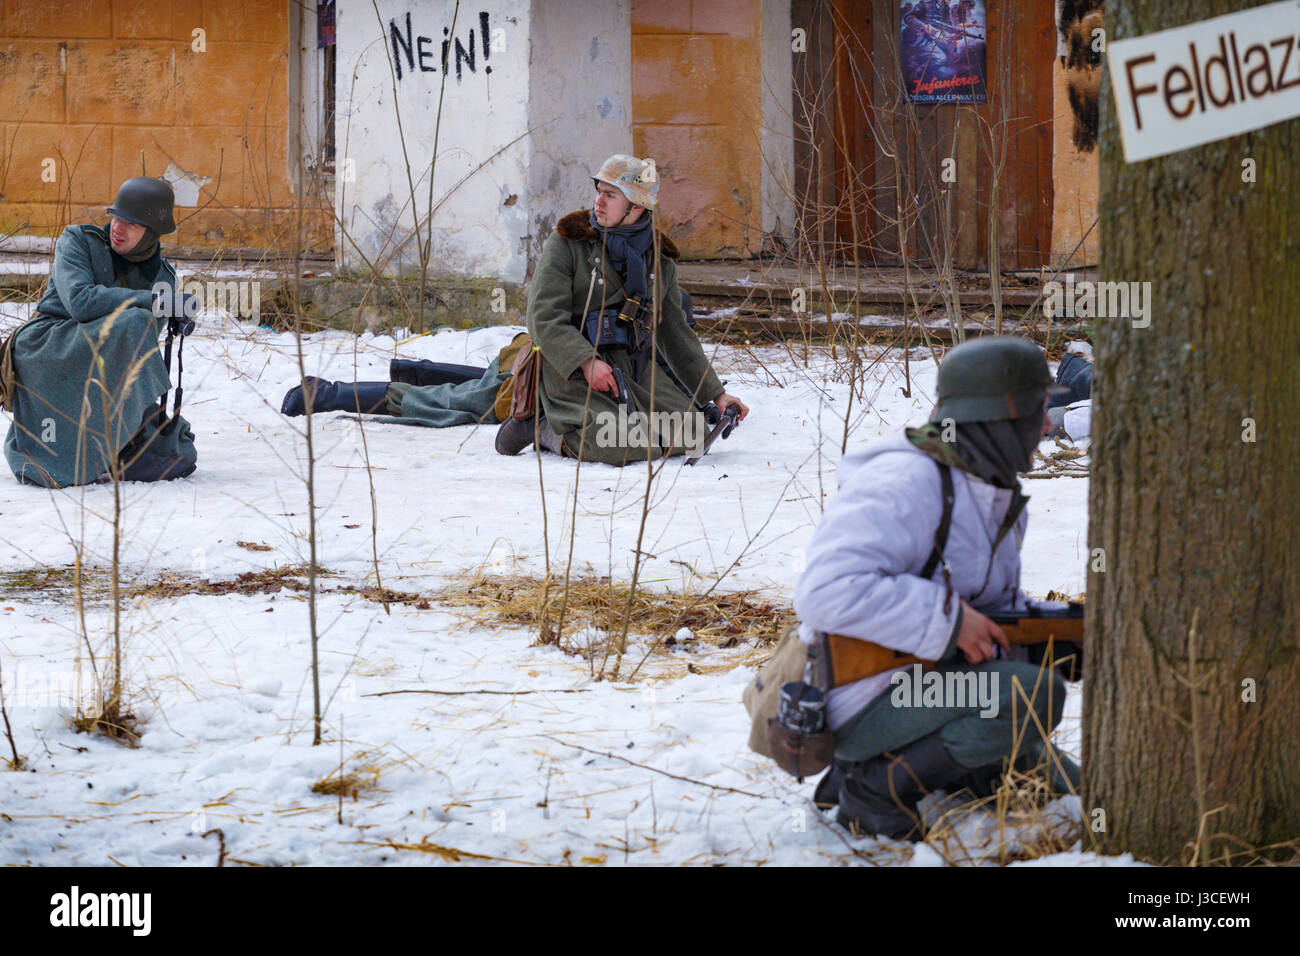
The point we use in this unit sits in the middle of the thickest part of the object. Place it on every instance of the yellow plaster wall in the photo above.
(696, 108)
(94, 84)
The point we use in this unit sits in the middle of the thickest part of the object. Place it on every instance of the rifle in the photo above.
(851, 659)
(722, 428)
(951, 29)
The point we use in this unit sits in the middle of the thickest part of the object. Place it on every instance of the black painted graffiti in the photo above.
(417, 52)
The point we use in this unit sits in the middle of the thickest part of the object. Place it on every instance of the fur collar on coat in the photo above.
(577, 225)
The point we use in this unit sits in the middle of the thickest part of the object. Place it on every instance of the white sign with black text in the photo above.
(1206, 81)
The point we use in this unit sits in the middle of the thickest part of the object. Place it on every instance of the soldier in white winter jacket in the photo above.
(864, 579)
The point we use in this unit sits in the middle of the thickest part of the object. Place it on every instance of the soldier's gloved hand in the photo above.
(978, 634)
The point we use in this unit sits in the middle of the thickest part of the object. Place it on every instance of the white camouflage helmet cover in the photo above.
(637, 179)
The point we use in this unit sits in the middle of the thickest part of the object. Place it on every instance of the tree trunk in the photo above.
(1198, 526)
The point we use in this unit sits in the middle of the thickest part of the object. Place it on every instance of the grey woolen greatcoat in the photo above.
(572, 269)
(86, 378)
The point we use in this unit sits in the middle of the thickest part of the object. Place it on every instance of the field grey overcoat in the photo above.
(571, 271)
(85, 378)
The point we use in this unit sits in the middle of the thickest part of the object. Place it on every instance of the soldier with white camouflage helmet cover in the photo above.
(606, 314)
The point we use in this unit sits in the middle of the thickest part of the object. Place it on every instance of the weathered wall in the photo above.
(1076, 177)
(777, 139)
(580, 105)
(697, 109)
(93, 85)
(526, 113)
(480, 213)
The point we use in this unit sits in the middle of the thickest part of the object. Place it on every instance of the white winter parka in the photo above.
(864, 564)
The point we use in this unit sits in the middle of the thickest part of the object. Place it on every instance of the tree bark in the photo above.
(1196, 523)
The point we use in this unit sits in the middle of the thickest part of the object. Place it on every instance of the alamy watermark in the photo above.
(917, 687)
(239, 297)
(637, 429)
(1101, 300)
(75, 908)
(26, 686)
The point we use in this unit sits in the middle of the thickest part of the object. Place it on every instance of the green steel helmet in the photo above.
(992, 379)
(146, 201)
(637, 179)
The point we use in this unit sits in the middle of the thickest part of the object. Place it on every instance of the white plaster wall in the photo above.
(777, 139)
(516, 147)
(580, 109)
(482, 152)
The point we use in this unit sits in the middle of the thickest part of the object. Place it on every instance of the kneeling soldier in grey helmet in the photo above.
(84, 378)
(880, 570)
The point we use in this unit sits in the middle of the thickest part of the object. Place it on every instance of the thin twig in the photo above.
(665, 773)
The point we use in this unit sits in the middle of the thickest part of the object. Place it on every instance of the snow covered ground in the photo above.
(553, 767)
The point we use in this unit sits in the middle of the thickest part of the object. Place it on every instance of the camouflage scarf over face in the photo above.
(994, 452)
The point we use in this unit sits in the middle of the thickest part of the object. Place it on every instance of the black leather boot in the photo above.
(827, 793)
(879, 796)
(514, 435)
(984, 782)
(364, 398)
(139, 463)
(146, 466)
(424, 372)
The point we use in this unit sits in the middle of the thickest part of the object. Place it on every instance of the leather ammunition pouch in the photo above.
(523, 381)
(603, 329)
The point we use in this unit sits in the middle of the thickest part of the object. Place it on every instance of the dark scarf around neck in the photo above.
(998, 451)
(638, 238)
(143, 251)
(994, 452)
(137, 268)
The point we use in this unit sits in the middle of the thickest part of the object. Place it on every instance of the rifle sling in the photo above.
(945, 522)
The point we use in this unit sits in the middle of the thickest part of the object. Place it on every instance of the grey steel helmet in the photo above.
(992, 379)
(146, 201)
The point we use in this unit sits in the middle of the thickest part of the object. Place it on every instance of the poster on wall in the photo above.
(942, 51)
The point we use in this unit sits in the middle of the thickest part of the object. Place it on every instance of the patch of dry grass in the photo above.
(348, 784)
(109, 720)
(169, 584)
(744, 622)
(353, 776)
(723, 619)
(1014, 824)
(58, 583)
